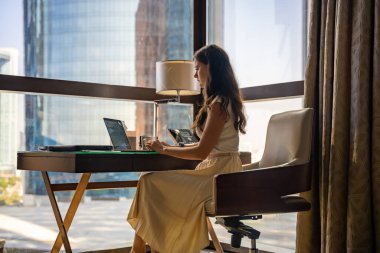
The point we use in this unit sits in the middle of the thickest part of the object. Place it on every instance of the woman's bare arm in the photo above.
(186, 145)
(216, 118)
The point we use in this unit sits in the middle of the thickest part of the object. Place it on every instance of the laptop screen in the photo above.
(118, 134)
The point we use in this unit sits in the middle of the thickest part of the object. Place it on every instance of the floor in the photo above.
(101, 225)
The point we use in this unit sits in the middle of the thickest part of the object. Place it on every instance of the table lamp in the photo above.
(175, 78)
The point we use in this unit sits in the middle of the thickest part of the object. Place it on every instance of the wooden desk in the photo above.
(94, 162)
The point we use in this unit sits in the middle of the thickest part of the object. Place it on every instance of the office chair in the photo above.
(265, 187)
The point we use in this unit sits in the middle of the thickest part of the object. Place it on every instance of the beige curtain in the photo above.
(342, 82)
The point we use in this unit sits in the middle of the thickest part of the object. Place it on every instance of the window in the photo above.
(117, 42)
(265, 39)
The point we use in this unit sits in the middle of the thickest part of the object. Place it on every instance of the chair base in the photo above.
(239, 230)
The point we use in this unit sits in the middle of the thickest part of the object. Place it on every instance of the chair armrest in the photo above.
(256, 165)
(259, 189)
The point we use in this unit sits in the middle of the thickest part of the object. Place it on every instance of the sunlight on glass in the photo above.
(264, 39)
(259, 114)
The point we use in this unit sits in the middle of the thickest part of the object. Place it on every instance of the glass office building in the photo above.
(10, 135)
(114, 42)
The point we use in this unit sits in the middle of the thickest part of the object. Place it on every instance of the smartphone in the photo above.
(184, 136)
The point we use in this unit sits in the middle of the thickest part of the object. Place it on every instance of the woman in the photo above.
(168, 211)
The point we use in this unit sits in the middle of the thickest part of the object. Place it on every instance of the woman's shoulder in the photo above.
(218, 107)
(215, 103)
(216, 99)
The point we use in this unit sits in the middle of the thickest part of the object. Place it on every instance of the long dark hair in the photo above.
(221, 83)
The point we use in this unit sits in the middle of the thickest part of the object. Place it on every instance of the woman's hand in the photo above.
(156, 145)
(165, 144)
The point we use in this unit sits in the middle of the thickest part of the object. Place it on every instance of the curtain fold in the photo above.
(375, 128)
(342, 85)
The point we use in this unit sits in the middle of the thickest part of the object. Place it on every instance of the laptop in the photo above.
(117, 131)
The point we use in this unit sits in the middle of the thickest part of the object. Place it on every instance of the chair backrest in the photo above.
(288, 139)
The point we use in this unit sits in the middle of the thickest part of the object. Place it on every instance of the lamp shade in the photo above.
(175, 78)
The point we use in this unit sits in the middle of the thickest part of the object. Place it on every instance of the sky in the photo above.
(11, 27)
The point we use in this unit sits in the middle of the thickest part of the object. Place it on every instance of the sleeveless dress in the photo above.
(169, 207)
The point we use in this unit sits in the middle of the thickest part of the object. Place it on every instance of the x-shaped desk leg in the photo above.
(65, 225)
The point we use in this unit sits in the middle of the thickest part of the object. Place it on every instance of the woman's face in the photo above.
(201, 73)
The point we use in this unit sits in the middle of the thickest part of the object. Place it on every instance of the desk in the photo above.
(94, 162)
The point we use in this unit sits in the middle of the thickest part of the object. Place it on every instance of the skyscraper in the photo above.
(164, 31)
(91, 41)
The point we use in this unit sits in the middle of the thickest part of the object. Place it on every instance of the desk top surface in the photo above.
(87, 152)
(104, 161)
(100, 161)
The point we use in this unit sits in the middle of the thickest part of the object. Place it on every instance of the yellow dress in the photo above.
(168, 210)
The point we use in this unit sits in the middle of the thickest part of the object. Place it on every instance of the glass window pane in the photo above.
(258, 114)
(29, 121)
(265, 39)
(174, 116)
(113, 42)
